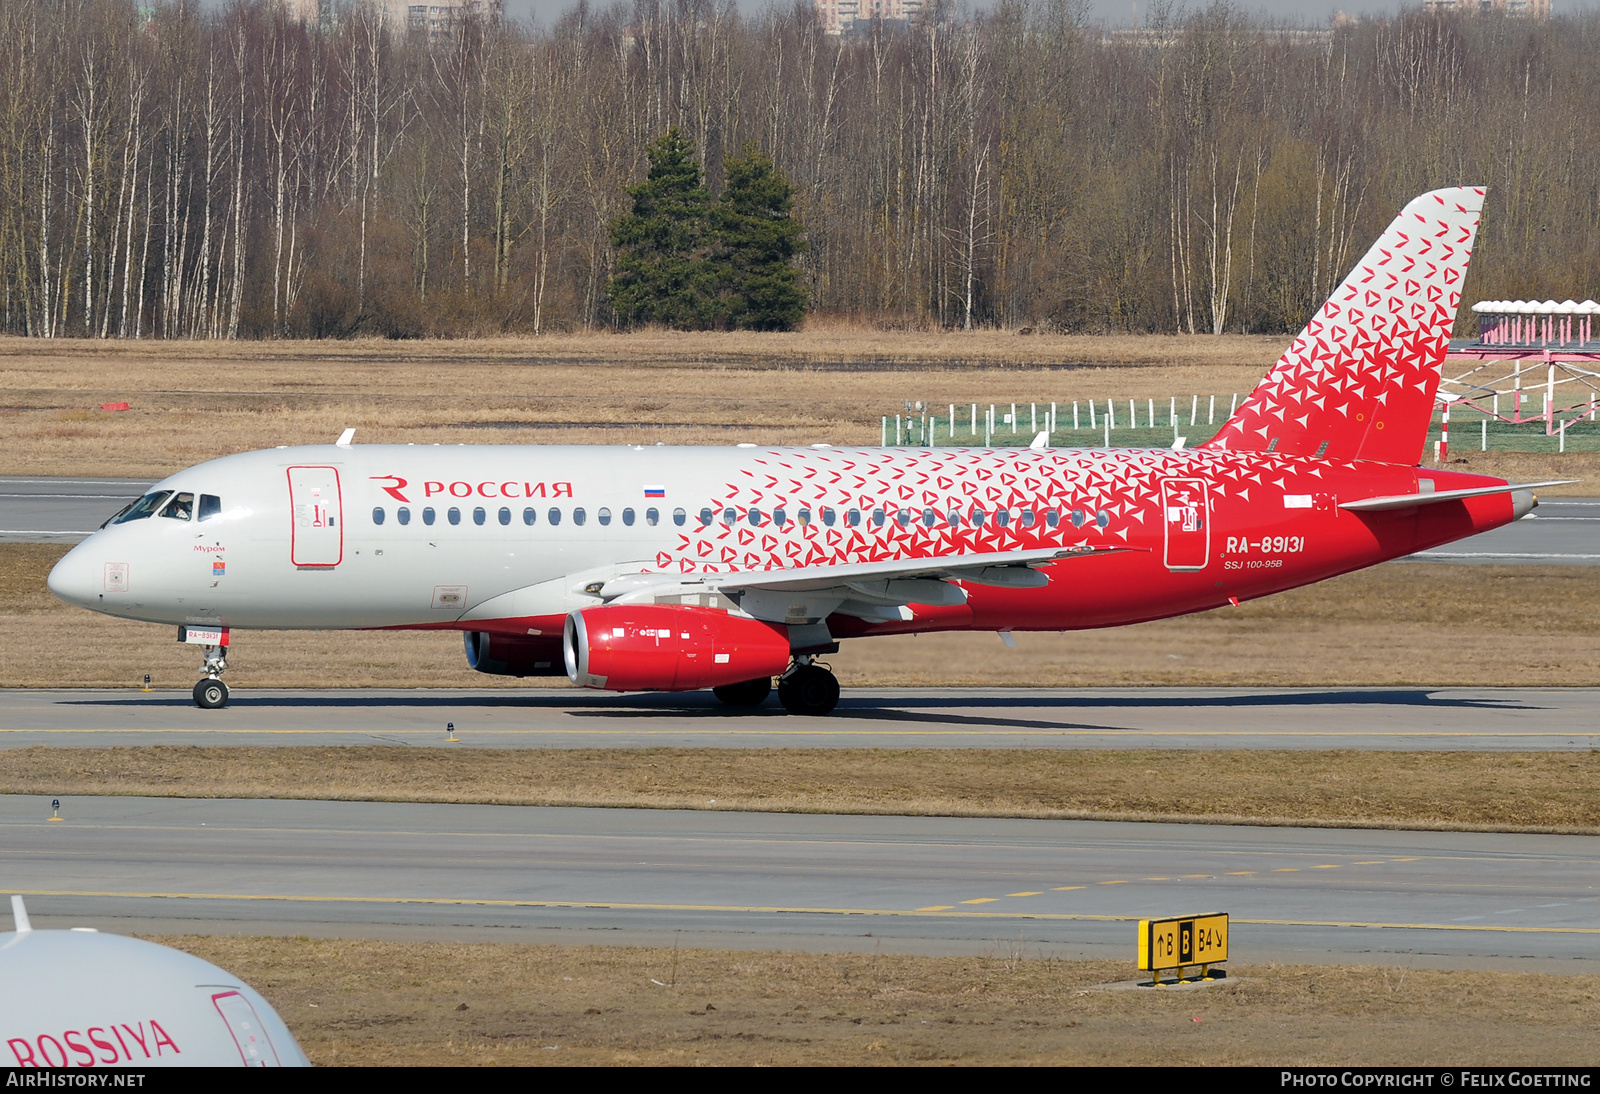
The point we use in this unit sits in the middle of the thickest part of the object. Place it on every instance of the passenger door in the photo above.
(1187, 523)
(316, 530)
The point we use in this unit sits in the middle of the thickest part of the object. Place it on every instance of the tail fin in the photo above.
(1359, 382)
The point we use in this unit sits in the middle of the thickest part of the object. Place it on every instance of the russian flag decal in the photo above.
(655, 491)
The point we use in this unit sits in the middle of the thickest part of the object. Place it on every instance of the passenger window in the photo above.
(852, 518)
(977, 517)
(903, 517)
(779, 517)
(403, 515)
(181, 507)
(554, 516)
(678, 517)
(579, 516)
(877, 518)
(1027, 518)
(1002, 518)
(730, 517)
(1052, 517)
(529, 516)
(453, 515)
(1077, 518)
(827, 516)
(479, 516)
(144, 506)
(627, 517)
(755, 518)
(427, 515)
(1102, 518)
(210, 506)
(804, 517)
(505, 515)
(603, 515)
(705, 518)
(377, 514)
(928, 517)
(955, 518)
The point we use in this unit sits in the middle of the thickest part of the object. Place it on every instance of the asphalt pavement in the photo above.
(48, 510)
(1471, 719)
(925, 884)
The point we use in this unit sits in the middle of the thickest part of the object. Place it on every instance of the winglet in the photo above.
(345, 438)
(1042, 440)
(20, 914)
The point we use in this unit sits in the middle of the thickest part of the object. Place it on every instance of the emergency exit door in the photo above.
(1187, 524)
(316, 532)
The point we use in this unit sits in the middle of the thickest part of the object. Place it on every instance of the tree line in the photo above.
(179, 171)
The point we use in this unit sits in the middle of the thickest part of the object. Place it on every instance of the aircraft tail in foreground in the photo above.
(1359, 382)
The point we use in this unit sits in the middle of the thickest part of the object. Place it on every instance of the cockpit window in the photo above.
(210, 506)
(181, 507)
(144, 506)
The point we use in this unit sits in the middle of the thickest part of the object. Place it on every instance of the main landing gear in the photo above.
(751, 693)
(211, 693)
(808, 688)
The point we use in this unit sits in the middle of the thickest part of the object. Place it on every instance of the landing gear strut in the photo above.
(808, 688)
(751, 693)
(211, 693)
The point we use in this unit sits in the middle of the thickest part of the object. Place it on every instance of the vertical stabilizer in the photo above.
(1359, 381)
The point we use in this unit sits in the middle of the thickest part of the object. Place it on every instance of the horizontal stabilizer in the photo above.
(1411, 501)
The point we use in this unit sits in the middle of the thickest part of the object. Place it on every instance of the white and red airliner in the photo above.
(672, 569)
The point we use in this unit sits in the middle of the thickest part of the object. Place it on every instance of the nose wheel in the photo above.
(211, 694)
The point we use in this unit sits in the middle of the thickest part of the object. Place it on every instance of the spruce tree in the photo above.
(663, 274)
(757, 240)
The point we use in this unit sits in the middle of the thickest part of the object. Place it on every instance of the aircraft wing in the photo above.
(1007, 569)
(870, 590)
(1409, 501)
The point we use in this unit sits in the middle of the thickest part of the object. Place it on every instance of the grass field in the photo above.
(372, 1002)
(1400, 623)
(191, 401)
(1502, 791)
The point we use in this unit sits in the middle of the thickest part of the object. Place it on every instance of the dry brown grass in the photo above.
(192, 401)
(1401, 623)
(399, 1003)
(1502, 791)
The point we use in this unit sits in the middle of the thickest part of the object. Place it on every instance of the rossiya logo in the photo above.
(489, 488)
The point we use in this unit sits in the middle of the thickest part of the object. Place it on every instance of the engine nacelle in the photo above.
(667, 647)
(514, 655)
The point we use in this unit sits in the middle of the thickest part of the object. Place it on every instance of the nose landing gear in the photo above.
(211, 693)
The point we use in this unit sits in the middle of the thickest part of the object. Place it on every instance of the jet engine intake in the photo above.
(508, 655)
(669, 647)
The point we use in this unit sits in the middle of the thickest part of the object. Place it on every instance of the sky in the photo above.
(1118, 13)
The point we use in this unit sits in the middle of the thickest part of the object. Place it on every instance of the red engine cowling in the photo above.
(666, 647)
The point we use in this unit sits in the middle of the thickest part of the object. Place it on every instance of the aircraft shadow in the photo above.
(955, 710)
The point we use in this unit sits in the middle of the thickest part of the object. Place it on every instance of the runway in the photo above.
(781, 881)
(1563, 532)
(44, 510)
(1200, 718)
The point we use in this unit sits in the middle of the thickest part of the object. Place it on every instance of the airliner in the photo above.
(634, 568)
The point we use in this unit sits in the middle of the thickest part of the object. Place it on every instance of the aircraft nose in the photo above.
(75, 578)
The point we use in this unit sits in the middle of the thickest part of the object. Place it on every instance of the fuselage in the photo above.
(509, 540)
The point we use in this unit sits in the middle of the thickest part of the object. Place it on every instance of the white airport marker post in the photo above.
(450, 732)
(146, 682)
(1074, 415)
(55, 809)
